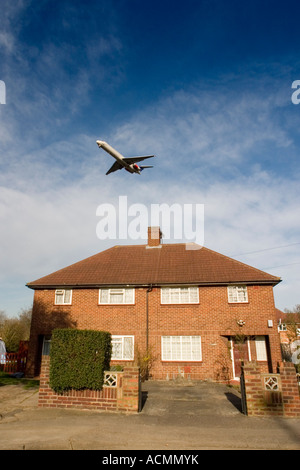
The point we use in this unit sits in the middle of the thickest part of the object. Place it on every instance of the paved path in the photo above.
(174, 417)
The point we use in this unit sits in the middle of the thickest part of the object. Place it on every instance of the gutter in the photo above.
(167, 284)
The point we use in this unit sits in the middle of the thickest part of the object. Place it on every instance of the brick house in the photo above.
(198, 312)
(288, 326)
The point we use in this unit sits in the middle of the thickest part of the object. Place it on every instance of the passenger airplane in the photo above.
(130, 164)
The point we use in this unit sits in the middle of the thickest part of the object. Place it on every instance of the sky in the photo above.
(205, 85)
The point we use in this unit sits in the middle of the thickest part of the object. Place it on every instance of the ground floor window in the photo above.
(181, 348)
(46, 345)
(122, 348)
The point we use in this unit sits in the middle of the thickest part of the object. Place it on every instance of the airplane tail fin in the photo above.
(142, 167)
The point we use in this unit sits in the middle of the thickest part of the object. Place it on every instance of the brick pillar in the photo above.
(128, 399)
(254, 390)
(290, 390)
(45, 392)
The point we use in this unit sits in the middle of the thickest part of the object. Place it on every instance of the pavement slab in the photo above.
(175, 417)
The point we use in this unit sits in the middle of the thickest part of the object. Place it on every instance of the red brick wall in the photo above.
(124, 397)
(290, 390)
(214, 319)
(260, 402)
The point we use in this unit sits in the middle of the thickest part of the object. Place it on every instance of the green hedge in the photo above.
(78, 359)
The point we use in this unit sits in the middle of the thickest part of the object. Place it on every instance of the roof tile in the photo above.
(165, 264)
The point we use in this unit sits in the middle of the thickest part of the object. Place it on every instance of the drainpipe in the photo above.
(147, 317)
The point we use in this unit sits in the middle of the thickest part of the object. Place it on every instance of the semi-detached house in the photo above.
(199, 313)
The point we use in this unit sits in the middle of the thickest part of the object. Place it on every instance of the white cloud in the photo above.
(10, 23)
(211, 130)
(208, 152)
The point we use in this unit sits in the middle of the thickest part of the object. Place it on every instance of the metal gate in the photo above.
(140, 405)
(13, 362)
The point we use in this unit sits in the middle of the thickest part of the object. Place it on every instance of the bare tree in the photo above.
(292, 322)
(15, 329)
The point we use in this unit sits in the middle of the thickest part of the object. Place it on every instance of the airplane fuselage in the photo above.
(132, 168)
(130, 164)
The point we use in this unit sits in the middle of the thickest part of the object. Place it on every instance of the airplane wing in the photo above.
(116, 166)
(137, 159)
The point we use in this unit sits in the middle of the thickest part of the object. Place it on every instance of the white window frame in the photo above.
(62, 292)
(46, 345)
(282, 327)
(114, 290)
(121, 340)
(167, 295)
(237, 294)
(177, 355)
(261, 348)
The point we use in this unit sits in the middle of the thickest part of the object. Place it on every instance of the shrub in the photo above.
(78, 359)
(144, 360)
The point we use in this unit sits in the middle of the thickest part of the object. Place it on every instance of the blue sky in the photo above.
(204, 85)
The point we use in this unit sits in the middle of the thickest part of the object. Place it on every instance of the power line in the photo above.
(267, 249)
(281, 266)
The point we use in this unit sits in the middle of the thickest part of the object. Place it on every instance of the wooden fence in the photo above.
(14, 362)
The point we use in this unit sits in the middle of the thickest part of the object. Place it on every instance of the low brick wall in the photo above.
(121, 395)
(271, 394)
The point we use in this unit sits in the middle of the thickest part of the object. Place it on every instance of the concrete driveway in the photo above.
(175, 416)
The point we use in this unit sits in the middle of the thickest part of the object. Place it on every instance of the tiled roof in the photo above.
(287, 317)
(165, 264)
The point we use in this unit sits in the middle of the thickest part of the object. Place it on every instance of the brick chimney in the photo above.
(154, 236)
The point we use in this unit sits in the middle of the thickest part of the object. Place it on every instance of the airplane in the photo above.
(130, 164)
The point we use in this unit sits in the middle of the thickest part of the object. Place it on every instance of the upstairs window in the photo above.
(237, 294)
(179, 295)
(63, 297)
(116, 296)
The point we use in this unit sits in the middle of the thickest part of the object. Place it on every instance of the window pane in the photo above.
(116, 298)
(181, 348)
(179, 295)
(129, 296)
(176, 348)
(67, 299)
(59, 297)
(196, 348)
(165, 292)
(185, 298)
(103, 296)
(261, 350)
(63, 296)
(46, 346)
(116, 348)
(128, 348)
(122, 348)
(174, 297)
(237, 294)
(186, 348)
(166, 348)
(194, 297)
